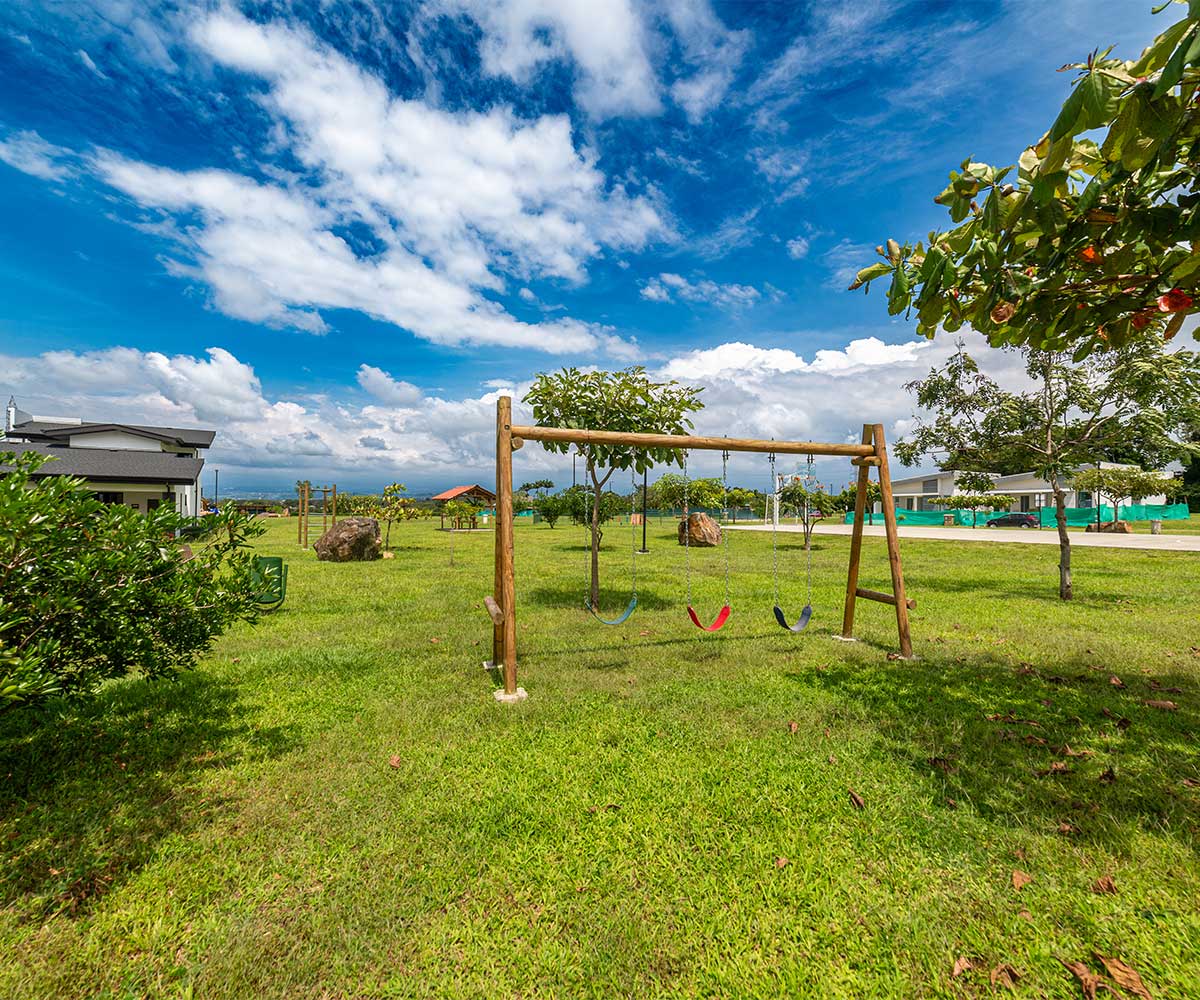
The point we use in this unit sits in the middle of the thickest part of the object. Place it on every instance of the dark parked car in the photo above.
(1013, 521)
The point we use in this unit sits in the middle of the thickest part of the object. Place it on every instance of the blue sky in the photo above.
(335, 231)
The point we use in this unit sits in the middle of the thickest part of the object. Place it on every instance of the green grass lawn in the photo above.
(333, 804)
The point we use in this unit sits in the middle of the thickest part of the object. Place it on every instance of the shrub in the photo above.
(91, 591)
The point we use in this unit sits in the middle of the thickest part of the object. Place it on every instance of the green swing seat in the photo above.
(270, 576)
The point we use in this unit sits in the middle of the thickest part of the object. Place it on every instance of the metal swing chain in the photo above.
(808, 593)
(632, 529)
(687, 546)
(725, 510)
(774, 530)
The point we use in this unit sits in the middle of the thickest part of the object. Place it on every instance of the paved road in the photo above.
(1029, 536)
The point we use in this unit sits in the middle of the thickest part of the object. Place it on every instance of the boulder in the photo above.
(1112, 527)
(352, 539)
(699, 530)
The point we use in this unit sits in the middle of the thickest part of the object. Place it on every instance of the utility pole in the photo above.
(217, 488)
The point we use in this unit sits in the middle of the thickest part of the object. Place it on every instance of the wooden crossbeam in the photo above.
(875, 595)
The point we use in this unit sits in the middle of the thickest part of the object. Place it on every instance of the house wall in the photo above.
(115, 439)
(183, 497)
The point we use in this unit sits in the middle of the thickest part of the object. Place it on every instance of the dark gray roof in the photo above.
(48, 430)
(112, 465)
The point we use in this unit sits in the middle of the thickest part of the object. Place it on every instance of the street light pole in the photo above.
(217, 488)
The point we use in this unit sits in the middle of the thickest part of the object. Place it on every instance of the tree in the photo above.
(1076, 413)
(672, 492)
(551, 506)
(459, 511)
(537, 486)
(740, 496)
(810, 505)
(1124, 483)
(874, 496)
(393, 507)
(613, 401)
(1093, 246)
(974, 502)
(91, 591)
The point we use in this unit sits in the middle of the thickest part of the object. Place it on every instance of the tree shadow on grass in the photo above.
(1057, 748)
(90, 788)
(612, 599)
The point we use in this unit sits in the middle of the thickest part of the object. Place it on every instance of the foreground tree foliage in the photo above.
(91, 591)
(1141, 400)
(1092, 243)
(626, 400)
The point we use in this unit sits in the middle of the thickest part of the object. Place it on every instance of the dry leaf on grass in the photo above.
(1025, 915)
(793, 727)
(1166, 706)
(1125, 976)
(1020, 879)
(1068, 752)
(1088, 980)
(781, 862)
(952, 803)
(394, 760)
(1004, 975)
(1108, 776)
(857, 800)
(894, 656)
(1105, 885)
(961, 964)
(435, 640)
(1116, 681)
(1191, 783)
(1065, 828)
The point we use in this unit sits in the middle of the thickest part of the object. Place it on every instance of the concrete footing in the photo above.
(520, 694)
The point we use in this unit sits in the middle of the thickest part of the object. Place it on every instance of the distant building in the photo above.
(475, 494)
(1028, 490)
(139, 466)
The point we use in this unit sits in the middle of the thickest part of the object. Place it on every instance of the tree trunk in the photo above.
(1064, 543)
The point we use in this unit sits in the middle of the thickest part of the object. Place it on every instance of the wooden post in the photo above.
(504, 540)
(300, 515)
(893, 541)
(860, 502)
(335, 503)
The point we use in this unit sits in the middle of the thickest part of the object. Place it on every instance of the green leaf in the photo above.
(898, 295)
(1172, 72)
(870, 274)
(1160, 49)
(1064, 124)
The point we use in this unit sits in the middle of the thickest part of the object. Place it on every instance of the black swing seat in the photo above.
(801, 622)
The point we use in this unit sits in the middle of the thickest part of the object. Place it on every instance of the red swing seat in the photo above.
(719, 621)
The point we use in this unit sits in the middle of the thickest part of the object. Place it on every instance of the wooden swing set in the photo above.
(510, 437)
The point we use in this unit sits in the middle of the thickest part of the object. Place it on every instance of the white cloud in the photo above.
(90, 64)
(749, 391)
(784, 168)
(709, 45)
(33, 155)
(608, 42)
(386, 389)
(760, 392)
(668, 287)
(455, 203)
(798, 247)
(844, 260)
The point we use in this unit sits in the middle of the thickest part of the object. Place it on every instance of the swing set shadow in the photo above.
(871, 453)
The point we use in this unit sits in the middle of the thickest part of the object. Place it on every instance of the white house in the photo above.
(130, 464)
(1028, 490)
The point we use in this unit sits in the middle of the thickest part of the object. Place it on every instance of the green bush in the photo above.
(90, 591)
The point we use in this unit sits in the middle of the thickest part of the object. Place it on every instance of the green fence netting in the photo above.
(1077, 517)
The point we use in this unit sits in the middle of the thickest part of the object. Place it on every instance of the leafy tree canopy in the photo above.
(1091, 243)
(91, 591)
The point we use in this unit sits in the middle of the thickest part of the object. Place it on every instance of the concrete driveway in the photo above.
(1027, 536)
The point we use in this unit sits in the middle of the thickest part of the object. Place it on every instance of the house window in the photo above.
(111, 497)
(1025, 503)
(908, 503)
